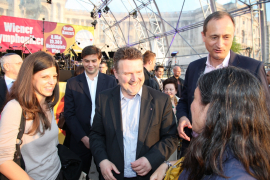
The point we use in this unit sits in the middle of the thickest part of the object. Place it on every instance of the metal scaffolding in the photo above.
(154, 36)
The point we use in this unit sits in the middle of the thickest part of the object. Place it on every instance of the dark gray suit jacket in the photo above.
(157, 137)
(78, 107)
(3, 92)
(158, 82)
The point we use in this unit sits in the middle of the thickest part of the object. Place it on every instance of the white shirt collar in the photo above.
(95, 78)
(225, 62)
(9, 82)
(157, 78)
(122, 95)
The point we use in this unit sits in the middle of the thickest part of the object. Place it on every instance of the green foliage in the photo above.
(236, 47)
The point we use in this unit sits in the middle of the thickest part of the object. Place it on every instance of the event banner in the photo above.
(31, 35)
(58, 108)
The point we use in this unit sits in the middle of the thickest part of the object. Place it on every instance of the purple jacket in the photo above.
(232, 168)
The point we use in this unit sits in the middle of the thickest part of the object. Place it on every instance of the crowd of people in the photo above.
(131, 122)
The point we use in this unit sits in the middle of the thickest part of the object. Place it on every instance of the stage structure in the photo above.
(157, 25)
(156, 37)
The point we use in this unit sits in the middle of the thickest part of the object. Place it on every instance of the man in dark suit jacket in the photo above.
(218, 33)
(134, 131)
(180, 81)
(10, 65)
(80, 101)
(3, 92)
(149, 62)
(159, 71)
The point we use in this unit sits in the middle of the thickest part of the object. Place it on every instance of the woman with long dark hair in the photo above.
(33, 95)
(229, 115)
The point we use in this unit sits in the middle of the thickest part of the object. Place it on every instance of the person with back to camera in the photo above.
(34, 93)
(231, 120)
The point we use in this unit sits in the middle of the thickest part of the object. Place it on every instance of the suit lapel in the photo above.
(198, 72)
(100, 84)
(146, 113)
(83, 84)
(115, 107)
(234, 61)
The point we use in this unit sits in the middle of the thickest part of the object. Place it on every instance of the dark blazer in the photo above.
(78, 107)
(3, 92)
(148, 81)
(157, 137)
(196, 68)
(179, 91)
(158, 82)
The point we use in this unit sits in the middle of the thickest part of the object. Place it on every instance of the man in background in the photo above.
(10, 65)
(149, 62)
(80, 102)
(103, 67)
(180, 81)
(159, 71)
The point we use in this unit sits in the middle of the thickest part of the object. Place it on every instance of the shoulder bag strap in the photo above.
(17, 155)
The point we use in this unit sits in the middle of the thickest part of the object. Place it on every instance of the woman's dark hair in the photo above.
(237, 121)
(24, 92)
(170, 81)
(79, 70)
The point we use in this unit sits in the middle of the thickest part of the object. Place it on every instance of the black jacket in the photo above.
(157, 135)
(150, 81)
(3, 92)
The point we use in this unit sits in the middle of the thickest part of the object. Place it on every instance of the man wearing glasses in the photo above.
(10, 65)
(80, 102)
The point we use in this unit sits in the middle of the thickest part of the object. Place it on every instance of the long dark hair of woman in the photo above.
(237, 120)
(24, 92)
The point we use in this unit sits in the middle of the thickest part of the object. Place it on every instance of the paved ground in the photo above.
(93, 175)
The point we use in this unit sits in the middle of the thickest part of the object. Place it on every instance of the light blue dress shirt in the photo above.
(130, 121)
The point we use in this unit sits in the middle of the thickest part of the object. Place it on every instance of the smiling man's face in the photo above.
(130, 76)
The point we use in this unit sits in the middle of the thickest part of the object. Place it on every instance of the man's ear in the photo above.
(6, 67)
(203, 36)
(115, 74)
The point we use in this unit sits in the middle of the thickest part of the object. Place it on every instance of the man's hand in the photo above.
(141, 166)
(85, 141)
(183, 122)
(106, 168)
(159, 174)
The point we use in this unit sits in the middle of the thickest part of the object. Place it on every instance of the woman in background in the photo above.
(34, 93)
(229, 115)
(79, 70)
(170, 88)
